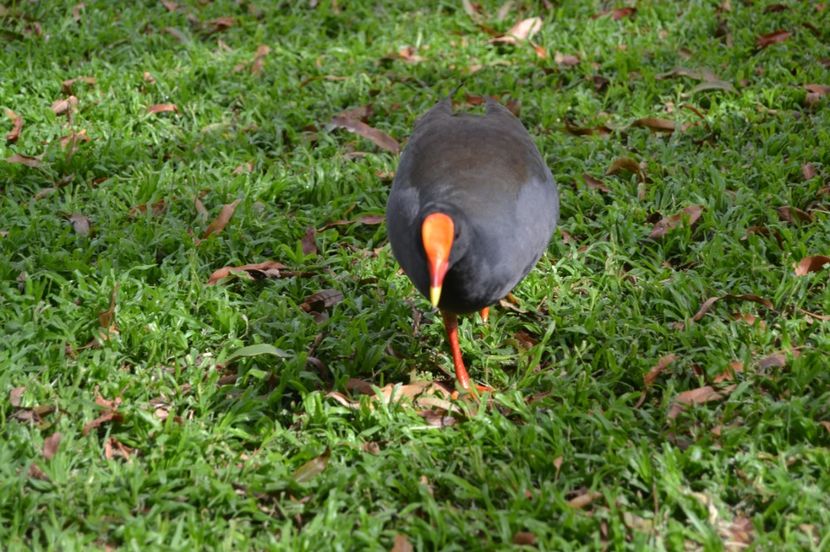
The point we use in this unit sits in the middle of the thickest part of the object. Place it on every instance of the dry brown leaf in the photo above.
(584, 499)
(360, 113)
(19, 159)
(472, 9)
(107, 416)
(259, 59)
(51, 445)
(711, 85)
(70, 141)
(113, 447)
(360, 386)
(520, 32)
(149, 78)
(220, 24)
(601, 130)
(323, 299)
(162, 108)
(401, 542)
(658, 369)
(810, 264)
(524, 538)
(826, 425)
(595, 183)
(17, 126)
(808, 171)
(772, 38)
(617, 13)
(737, 535)
(219, 223)
(794, 214)
(565, 60)
(37, 473)
(692, 212)
(80, 223)
(308, 241)
(64, 106)
(753, 298)
(312, 468)
(541, 51)
(270, 269)
(697, 74)
(169, 5)
(67, 85)
(155, 208)
(774, 8)
(655, 124)
(621, 164)
(407, 53)
(778, 359)
(735, 367)
(379, 138)
(437, 419)
(15, 395)
(692, 397)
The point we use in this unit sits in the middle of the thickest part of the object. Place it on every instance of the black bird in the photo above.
(472, 209)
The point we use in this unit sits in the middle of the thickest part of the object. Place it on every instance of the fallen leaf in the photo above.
(617, 13)
(312, 468)
(369, 220)
(108, 416)
(401, 542)
(258, 63)
(321, 300)
(15, 395)
(155, 208)
(37, 473)
(64, 106)
(735, 367)
(524, 538)
(76, 11)
(379, 138)
(697, 74)
(826, 425)
(584, 499)
(51, 445)
(113, 447)
(737, 535)
(18, 159)
(774, 8)
(219, 223)
(663, 226)
(17, 126)
(220, 24)
(309, 244)
(808, 171)
(70, 141)
(361, 113)
(269, 269)
(658, 368)
(810, 264)
(106, 319)
(794, 214)
(471, 9)
(169, 5)
(565, 60)
(67, 85)
(437, 419)
(692, 397)
(772, 38)
(778, 359)
(595, 183)
(712, 85)
(162, 108)
(655, 124)
(244, 168)
(815, 92)
(601, 130)
(80, 223)
(149, 78)
(541, 51)
(521, 31)
(621, 164)
(407, 53)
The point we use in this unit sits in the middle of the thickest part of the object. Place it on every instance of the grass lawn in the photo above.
(143, 408)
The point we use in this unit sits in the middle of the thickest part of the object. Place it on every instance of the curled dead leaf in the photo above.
(813, 263)
(323, 299)
(595, 183)
(108, 416)
(772, 38)
(64, 106)
(585, 499)
(19, 159)
(692, 213)
(67, 85)
(51, 445)
(379, 138)
(524, 538)
(621, 164)
(219, 223)
(154, 209)
(80, 223)
(258, 63)
(565, 60)
(17, 126)
(269, 269)
(601, 130)
(794, 214)
(693, 397)
(308, 241)
(312, 468)
(163, 108)
(520, 32)
(655, 124)
(15, 395)
(808, 171)
(658, 369)
(401, 542)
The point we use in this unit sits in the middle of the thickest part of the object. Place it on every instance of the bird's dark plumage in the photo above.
(485, 172)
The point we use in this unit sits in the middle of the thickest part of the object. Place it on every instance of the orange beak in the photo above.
(437, 233)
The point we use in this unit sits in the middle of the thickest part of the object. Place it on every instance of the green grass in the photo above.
(220, 470)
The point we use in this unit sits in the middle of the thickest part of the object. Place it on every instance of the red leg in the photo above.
(451, 325)
(485, 314)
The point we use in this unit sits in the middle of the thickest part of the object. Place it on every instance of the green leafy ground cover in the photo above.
(129, 418)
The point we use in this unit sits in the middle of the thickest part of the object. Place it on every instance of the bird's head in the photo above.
(438, 233)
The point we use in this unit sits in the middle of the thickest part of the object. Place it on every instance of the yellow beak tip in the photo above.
(434, 295)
